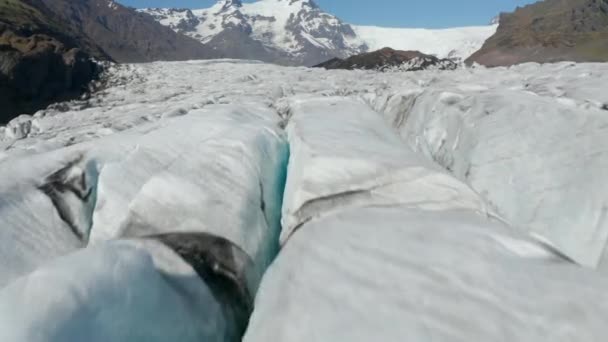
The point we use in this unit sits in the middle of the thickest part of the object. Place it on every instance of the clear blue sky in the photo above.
(393, 13)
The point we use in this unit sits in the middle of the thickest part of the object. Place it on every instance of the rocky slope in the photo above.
(292, 32)
(46, 48)
(549, 31)
(40, 60)
(388, 59)
(124, 34)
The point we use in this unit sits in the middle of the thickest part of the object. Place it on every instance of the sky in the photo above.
(388, 13)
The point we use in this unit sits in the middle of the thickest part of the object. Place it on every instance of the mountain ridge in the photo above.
(299, 32)
(294, 32)
(124, 34)
(549, 31)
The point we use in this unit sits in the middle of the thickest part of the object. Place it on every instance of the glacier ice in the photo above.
(363, 163)
(217, 171)
(458, 42)
(413, 202)
(368, 274)
(382, 245)
(45, 210)
(206, 186)
(537, 155)
(114, 291)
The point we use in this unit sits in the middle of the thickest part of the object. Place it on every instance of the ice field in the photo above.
(207, 200)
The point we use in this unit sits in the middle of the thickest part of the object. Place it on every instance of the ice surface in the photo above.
(384, 247)
(217, 171)
(119, 291)
(437, 205)
(394, 274)
(343, 154)
(46, 204)
(536, 155)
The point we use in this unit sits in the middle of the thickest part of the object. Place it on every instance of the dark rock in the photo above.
(46, 48)
(38, 70)
(222, 266)
(72, 190)
(389, 59)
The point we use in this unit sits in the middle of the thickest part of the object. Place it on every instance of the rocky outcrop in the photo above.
(124, 34)
(388, 59)
(549, 31)
(38, 70)
(40, 61)
(46, 48)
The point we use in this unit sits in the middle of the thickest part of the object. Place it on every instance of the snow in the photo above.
(458, 42)
(281, 11)
(213, 22)
(413, 202)
(279, 25)
(275, 32)
(168, 17)
(271, 23)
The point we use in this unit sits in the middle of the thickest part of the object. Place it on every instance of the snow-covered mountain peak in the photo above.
(299, 25)
(284, 31)
(299, 32)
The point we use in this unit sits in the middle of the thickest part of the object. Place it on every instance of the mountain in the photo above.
(549, 31)
(41, 59)
(298, 32)
(388, 59)
(124, 34)
(294, 32)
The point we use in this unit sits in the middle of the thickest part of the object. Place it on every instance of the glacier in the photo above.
(185, 197)
(204, 188)
(119, 291)
(456, 42)
(381, 244)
